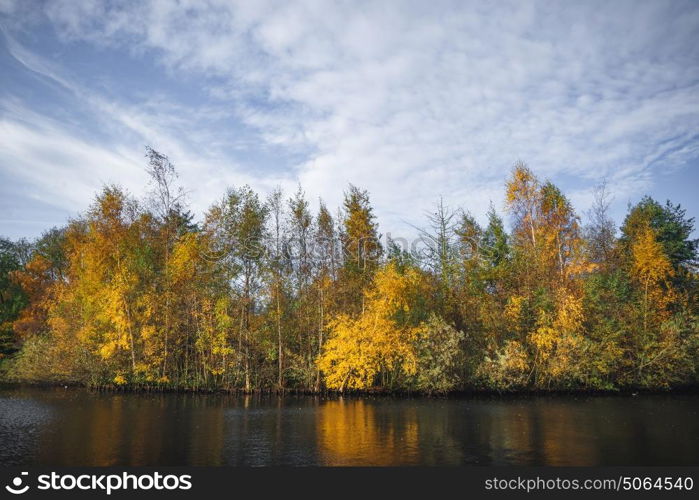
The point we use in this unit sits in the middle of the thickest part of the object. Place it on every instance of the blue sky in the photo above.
(410, 100)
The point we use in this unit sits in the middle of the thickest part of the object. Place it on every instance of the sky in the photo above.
(411, 100)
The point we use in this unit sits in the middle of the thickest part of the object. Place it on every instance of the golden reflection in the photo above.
(353, 432)
(98, 429)
(105, 431)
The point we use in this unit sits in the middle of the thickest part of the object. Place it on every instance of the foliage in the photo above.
(438, 352)
(12, 298)
(270, 294)
(380, 341)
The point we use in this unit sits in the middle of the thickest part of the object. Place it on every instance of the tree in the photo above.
(495, 247)
(380, 340)
(278, 269)
(95, 310)
(665, 345)
(12, 298)
(265, 296)
(600, 232)
(166, 200)
(104, 262)
(361, 248)
(523, 199)
(300, 231)
(652, 269)
(325, 256)
(656, 253)
(672, 228)
(440, 253)
(237, 229)
(439, 356)
(560, 344)
(560, 234)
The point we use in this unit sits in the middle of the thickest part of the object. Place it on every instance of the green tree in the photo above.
(361, 248)
(237, 228)
(12, 298)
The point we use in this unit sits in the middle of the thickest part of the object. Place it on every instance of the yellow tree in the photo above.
(380, 340)
(204, 313)
(550, 263)
(546, 230)
(187, 273)
(104, 290)
(651, 268)
(659, 351)
(523, 199)
(558, 342)
(561, 239)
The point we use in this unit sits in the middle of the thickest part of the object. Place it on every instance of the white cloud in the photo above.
(413, 99)
(63, 170)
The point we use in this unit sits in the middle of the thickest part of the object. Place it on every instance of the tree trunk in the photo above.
(280, 380)
(320, 337)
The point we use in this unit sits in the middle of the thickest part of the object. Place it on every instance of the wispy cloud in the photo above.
(408, 99)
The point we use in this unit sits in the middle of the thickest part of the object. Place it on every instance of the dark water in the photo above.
(77, 427)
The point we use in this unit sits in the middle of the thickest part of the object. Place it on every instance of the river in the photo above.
(67, 427)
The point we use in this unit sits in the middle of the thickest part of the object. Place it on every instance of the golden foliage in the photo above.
(380, 338)
(649, 261)
(144, 297)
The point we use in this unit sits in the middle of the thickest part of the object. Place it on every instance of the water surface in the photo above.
(65, 427)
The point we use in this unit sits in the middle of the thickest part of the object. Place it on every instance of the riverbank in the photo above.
(374, 392)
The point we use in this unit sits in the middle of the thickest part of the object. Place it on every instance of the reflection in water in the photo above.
(357, 433)
(78, 427)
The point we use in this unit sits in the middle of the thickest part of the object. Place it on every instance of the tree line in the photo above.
(263, 294)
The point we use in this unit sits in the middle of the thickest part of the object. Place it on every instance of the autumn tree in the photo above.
(166, 200)
(672, 228)
(438, 349)
(658, 256)
(651, 270)
(549, 264)
(379, 341)
(523, 199)
(263, 295)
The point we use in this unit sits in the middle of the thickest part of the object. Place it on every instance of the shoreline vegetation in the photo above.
(262, 296)
(373, 392)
